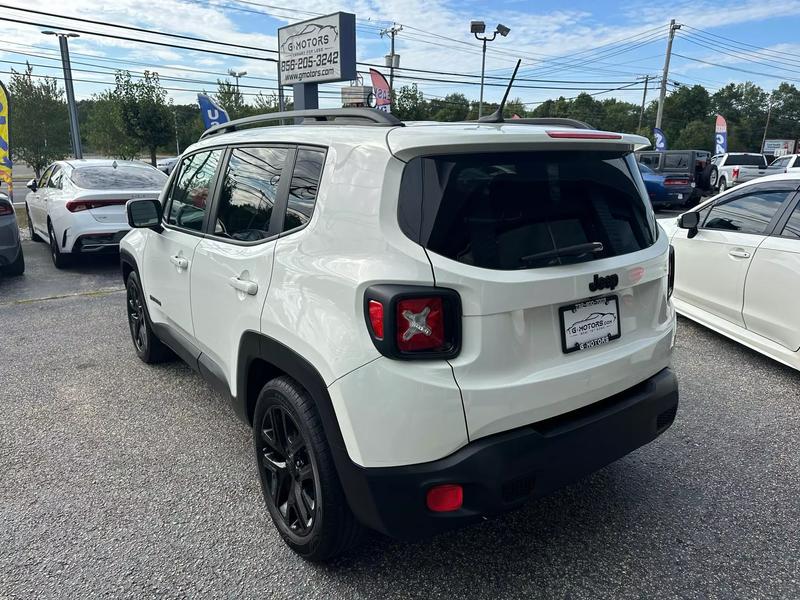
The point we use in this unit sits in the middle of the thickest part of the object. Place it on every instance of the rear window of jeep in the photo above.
(525, 210)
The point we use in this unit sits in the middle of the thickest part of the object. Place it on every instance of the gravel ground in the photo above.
(124, 480)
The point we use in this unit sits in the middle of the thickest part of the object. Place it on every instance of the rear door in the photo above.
(773, 283)
(712, 266)
(233, 264)
(561, 272)
(168, 255)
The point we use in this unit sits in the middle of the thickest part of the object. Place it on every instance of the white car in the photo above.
(424, 323)
(789, 163)
(79, 205)
(733, 168)
(738, 265)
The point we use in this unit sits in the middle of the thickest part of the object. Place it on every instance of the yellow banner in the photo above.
(5, 152)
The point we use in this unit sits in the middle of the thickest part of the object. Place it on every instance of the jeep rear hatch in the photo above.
(561, 272)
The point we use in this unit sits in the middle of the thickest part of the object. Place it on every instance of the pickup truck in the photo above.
(733, 168)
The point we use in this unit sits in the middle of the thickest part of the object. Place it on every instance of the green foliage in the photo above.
(105, 128)
(230, 98)
(409, 104)
(146, 116)
(38, 120)
(453, 107)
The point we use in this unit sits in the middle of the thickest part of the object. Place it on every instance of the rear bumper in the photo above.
(98, 243)
(502, 471)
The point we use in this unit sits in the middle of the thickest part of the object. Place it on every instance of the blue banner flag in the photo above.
(661, 139)
(720, 135)
(212, 113)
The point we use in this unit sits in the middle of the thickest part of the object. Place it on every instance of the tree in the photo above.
(408, 104)
(231, 99)
(106, 132)
(146, 116)
(697, 135)
(39, 120)
(453, 107)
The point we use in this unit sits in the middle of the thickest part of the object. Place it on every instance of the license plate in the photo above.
(680, 196)
(589, 324)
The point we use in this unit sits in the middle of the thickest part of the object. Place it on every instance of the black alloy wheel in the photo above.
(287, 470)
(136, 317)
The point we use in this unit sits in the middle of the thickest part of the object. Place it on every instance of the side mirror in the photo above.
(690, 221)
(144, 214)
(32, 185)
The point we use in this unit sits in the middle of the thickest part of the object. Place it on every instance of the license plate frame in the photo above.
(583, 312)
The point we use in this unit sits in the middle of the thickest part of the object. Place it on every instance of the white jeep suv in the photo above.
(424, 323)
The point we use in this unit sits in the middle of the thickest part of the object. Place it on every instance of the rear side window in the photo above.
(651, 160)
(248, 193)
(792, 227)
(303, 189)
(746, 160)
(676, 161)
(121, 177)
(525, 210)
(748, 213)
(190, 194)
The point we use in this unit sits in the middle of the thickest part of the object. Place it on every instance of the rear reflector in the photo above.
(445, 498)
(79, 205)
(420, 324)
(584, 135)
(376, 318)
(6, 208)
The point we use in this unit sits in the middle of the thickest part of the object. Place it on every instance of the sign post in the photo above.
(319, 50)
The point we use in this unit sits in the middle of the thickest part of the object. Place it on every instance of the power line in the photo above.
(705, 62)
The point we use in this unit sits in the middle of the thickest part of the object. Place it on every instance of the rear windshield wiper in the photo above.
(576, 250)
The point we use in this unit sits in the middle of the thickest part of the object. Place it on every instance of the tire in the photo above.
(148, 347)
(60, 259)
(16, 268)
(34, 236)
(298, 479)
(713, 178)
(723, 185)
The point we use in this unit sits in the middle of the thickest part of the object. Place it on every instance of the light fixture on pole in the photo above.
(73, 109)
(476, 27)
(236, 75)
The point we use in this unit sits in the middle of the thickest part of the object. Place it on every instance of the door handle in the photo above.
(739, 253)
(179, 261)
(244, 285)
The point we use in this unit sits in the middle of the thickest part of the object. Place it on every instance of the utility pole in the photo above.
(392, 60)
(769, 113)
(73, 109)
(673, 27)
(644, 99)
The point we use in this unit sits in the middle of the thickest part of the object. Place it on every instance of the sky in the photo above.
(598, 46)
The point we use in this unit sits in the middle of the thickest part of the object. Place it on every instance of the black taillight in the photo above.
(6, 208)
(671, 272)
(412, 321)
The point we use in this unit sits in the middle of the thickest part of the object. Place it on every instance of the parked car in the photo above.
(691, 164)
(165, 165)
(738, 265)
(789, 163)
(12, 261)
(666, 191)
(733, 168)
(424, 324)
(79, 205)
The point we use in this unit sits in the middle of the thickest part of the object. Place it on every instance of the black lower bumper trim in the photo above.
(500, 472)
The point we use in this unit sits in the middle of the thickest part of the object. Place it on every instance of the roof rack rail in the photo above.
(348, 116)
(555, 121)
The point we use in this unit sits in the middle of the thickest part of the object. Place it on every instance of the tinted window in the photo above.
(749, 213)
(651, 160)
(45, 176)
(792, 227)
(303, 188)
(125, 177)
(189, 196)
(55, 177)
(248, 193)
(525, 209)
(676, 161)
(753, 160)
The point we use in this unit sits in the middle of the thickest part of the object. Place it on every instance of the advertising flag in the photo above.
(661, 139)
(383, 97)
(721, 136)
(211, 112)
(5, 140)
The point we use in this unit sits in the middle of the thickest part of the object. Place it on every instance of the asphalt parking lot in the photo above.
(124, 480)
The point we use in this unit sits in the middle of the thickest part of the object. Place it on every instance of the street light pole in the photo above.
(72, 108)
(236, 75)
(475, 28)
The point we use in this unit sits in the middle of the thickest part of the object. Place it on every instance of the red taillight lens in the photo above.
(420, 324)
(445, 498)
(676, 182)
(584, 135)
(735, 173)
(376, 318)
(80, 205)
(671, 271)
(6, 208)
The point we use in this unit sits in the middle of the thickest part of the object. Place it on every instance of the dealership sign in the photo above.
(778, 147)
(318, 50)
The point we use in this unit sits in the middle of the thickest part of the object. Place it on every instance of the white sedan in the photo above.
(737, 265)
(79, 205)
